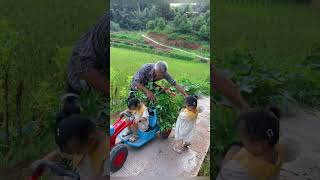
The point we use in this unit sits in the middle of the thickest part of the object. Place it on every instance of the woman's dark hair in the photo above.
(191, 101)
(133, 102)
(73, 126)
(261, 124)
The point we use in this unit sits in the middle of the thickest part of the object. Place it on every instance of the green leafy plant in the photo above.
(313, 59)
(260, 85)
(167, 106)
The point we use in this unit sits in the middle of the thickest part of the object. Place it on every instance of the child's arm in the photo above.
(142, 119)
(53, 156)
(145, 116)
(123, 113)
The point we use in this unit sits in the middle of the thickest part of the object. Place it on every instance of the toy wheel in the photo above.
(118, 156)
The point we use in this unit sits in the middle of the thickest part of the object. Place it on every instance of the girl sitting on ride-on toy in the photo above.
(140, 118)
(81, 146)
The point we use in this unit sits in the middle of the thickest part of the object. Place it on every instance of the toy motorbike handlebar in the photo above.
(40, 166)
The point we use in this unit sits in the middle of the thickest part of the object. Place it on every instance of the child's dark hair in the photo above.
(70, 105)
(191, 101)
(133, 102)
(73, 126)
(261, 124)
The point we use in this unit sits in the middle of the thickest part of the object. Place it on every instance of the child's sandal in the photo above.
(186, 146)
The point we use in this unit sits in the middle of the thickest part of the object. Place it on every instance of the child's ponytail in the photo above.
(261, 124)
(275, 111)
(69, 107)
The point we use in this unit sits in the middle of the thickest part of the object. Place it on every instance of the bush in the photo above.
(167, 106)
(260, 85)
(193, 88)
(177, 55)
(160, 24)
(263, 86)
(114, 26)
(150, 49)
(204, 32)
(313, 59)
(131, 47)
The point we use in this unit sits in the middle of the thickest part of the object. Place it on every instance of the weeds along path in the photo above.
(158, 159)
(173, 48)
(303, 126)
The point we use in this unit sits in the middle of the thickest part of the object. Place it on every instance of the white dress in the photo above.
(185, 124)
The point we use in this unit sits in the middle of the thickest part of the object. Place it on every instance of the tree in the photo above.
(204, 32)
(198, 23)
(185, 25)
(160, 24)
(151, 25)
(153, 13)
(163, 10)
(187, 9)
(114, 26)
(177, 20)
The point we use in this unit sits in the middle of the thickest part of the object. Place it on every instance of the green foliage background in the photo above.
(272, 54)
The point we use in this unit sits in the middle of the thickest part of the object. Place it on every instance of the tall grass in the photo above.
(42, 27)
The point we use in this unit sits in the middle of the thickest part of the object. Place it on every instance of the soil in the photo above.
(180, 43)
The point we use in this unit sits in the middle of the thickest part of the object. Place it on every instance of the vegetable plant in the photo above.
(167, 106)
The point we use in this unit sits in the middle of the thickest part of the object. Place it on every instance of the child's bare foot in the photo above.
(127, 133)
(177, 149)
(133, 138)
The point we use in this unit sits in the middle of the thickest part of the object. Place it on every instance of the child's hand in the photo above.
(126, 120)
(35, 168)
(136, 121)
(122, 114)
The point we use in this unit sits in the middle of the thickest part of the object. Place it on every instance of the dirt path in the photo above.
(158, 159)
(302, 126)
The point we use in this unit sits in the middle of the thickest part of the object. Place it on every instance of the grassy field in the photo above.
(278, 39)
(125, 63)
(41, 28)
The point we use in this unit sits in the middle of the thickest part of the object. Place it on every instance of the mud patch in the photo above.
(160, 37)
